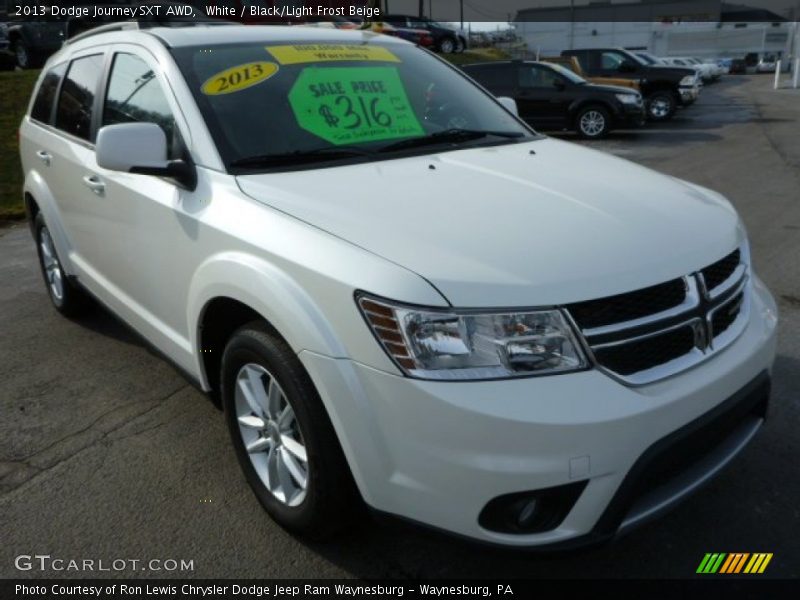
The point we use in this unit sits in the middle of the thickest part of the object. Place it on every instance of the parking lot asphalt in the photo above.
(106, 452)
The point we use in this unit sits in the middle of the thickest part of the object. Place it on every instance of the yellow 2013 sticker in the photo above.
(308, 53)
(238, 78)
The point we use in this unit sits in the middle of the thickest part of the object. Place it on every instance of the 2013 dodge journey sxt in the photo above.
(399, 292)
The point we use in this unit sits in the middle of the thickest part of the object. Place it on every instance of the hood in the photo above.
(502, 226)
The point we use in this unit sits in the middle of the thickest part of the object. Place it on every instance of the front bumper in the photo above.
(631, 115)
(438, 452)
(689, 94)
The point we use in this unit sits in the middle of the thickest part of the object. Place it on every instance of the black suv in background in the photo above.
(550, 97)
(32, 34)
(445, 39)
(664, 88)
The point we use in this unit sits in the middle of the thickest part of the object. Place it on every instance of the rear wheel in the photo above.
(593, 122)
(661, 105)
(23, 56)
(68, 299)
(283, 438)
(447, 45)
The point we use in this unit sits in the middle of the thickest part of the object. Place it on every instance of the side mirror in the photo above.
(559, 84)
(140, 148)
(626, 67)
(509, 104)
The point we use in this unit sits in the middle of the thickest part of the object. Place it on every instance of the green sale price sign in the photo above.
(351, 105)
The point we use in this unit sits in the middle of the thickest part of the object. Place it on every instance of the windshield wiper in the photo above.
(448, 136)
(299, 157)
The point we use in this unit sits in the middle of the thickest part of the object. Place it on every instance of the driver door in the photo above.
(542, 97)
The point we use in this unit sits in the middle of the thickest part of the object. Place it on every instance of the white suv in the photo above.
(399, 292)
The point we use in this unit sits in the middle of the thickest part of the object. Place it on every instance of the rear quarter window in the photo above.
(46, 94)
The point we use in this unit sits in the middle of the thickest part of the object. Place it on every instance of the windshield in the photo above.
(337, 102)
(571, 75)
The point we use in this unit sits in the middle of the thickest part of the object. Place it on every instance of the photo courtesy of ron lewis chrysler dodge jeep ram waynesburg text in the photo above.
(402, 295)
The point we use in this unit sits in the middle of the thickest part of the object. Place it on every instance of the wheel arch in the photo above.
(579, 105)
(232, 289)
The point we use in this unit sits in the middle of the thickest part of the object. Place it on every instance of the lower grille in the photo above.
(641, 355)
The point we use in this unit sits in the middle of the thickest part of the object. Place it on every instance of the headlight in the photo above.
(689, 80)
(629, 98)
(462, 345)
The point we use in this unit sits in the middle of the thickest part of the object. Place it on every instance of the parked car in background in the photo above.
(571, 63)
(446, 39)
(35, 36)
(769, 62)
(725, 65)
(664, 88)
(738, 66)
(6, 58)
(704, 71)
(416, 36)
(550, 97)
(650, 59)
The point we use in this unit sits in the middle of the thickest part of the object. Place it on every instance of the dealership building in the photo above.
(702, 28)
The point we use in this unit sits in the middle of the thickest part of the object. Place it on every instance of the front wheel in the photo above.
(593, 122)
(283, 438)
(661, 105)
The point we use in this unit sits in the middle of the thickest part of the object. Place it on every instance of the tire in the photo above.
(460, 46)
(661, 105)
(256, 361)
(593, 122)
(447, 45)
(67, 297)
(23, 57)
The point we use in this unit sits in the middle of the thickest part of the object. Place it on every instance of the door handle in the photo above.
(45, 157)
(94, 183)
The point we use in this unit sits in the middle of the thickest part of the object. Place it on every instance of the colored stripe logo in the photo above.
(734, 562)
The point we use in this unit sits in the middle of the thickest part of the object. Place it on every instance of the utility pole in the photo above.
(421, 8)
(461, 7)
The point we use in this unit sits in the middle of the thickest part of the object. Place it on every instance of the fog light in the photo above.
(530, 512)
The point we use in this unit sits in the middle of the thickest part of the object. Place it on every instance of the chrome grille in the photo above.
(652, 333)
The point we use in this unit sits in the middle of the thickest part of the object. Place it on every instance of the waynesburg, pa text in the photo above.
(226, 591)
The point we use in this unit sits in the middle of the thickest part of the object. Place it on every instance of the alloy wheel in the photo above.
(660, 108)
(52, 268)
(592, 123)
(21, 54)
(271, 434)
(447, 46)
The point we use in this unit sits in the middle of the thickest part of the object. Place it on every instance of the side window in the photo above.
(537, 77)
(610, 61)
(492, 77)
(46, 95)
(74, 111)
(134, 95)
